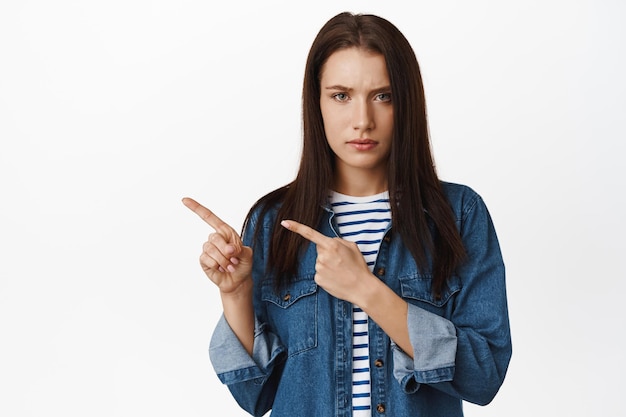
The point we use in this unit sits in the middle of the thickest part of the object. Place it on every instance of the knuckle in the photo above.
(209, 261)
(225, 230)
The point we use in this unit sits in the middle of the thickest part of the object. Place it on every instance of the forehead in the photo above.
(354, 65)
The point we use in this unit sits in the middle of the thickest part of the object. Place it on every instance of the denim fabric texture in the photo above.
(301, 363)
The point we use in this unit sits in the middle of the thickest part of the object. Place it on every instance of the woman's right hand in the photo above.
(224, 259)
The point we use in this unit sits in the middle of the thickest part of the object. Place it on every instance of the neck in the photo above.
(360, 184)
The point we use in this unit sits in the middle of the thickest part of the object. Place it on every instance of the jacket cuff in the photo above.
(231, 361)
(434, 350)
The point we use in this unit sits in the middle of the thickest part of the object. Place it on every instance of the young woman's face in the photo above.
(356, 105)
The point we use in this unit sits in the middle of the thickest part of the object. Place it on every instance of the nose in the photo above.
(362, 117)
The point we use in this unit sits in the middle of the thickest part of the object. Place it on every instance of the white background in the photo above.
(112, 111)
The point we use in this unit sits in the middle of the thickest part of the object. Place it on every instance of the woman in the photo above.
(366, 286)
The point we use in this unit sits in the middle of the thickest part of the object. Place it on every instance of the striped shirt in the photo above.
(362, 220)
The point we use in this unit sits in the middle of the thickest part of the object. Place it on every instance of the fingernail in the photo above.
(230, 268)
(221, 269)
(234, 261)
(285, 224)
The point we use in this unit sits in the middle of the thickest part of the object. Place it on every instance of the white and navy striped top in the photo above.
(362, 220)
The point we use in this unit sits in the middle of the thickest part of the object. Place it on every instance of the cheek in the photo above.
(387, 121)
(332, 122)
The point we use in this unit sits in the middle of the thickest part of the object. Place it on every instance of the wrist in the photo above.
(243, 290)
(370, 289)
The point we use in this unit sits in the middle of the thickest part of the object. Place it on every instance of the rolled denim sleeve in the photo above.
(249, 378)
(434, 350)
(231, 361)
(252, 379)
(466, 353)
(480, 312)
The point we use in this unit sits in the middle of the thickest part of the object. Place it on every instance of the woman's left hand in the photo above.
(340, 268)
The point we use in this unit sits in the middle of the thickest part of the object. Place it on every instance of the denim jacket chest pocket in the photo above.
(416, 289)
(293, 314)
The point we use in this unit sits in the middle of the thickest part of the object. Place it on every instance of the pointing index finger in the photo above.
(305, 231)
(204, 213)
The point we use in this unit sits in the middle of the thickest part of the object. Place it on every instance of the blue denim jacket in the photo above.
(301, 361)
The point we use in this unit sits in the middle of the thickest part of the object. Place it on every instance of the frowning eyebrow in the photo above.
(344, 88)
(338, 87)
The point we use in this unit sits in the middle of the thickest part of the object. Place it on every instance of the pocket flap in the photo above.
(289, 295)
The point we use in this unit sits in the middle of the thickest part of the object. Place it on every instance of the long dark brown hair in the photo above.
(420, 212)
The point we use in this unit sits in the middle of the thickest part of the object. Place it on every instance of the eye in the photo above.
(386, 97)
(340, 96)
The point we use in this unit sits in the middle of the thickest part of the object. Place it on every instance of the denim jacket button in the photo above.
(287, 297)
(380, 272)
(387, 238)
(380, 408)
(378, 363)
